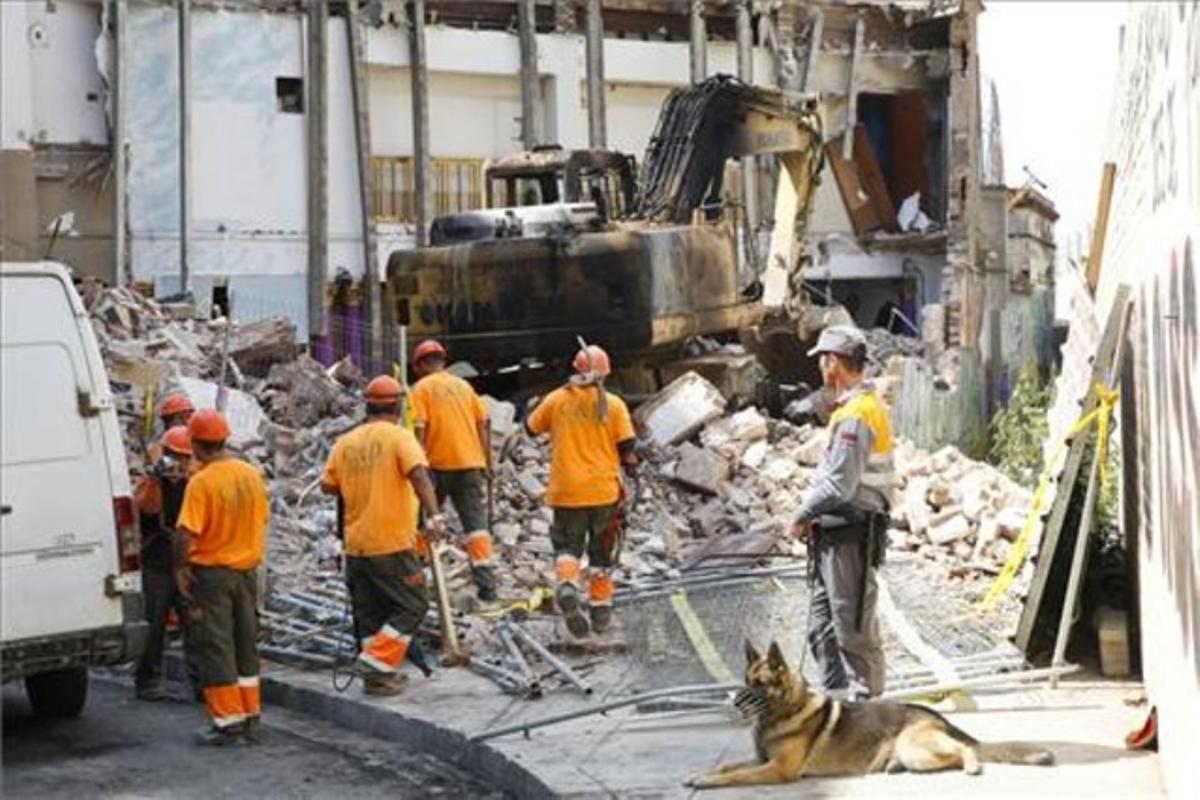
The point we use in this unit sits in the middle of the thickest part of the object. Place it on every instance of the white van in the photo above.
(71, 585)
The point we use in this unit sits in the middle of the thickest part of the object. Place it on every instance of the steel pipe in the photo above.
(544, 653)
(533, 686)
(633, 700)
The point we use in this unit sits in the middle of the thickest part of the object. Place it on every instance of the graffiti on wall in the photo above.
(1168, 402)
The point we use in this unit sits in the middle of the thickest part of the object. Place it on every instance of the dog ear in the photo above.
(751, 654)
(775, 656)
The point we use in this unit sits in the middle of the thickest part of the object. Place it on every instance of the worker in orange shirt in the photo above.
(221, 535)
(382, 477)
(452, 427)
(591, 436)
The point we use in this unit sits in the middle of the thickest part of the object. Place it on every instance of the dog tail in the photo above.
(1014, 753)
(1001, 752)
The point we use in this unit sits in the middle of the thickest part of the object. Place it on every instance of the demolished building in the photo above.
(303, 141)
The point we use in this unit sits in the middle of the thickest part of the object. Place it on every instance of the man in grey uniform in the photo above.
(844, 518)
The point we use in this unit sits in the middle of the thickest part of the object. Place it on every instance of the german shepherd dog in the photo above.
(799, 732)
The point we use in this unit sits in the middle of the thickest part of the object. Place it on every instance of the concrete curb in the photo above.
(447, 744)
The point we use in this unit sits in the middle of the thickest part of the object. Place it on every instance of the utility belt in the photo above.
(867, 528)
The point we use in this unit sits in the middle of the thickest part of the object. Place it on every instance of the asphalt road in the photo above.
(122, 747)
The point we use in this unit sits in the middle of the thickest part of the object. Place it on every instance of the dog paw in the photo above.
(697, 781)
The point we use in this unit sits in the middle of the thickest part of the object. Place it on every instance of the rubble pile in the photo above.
(284, 410)
(713, 484)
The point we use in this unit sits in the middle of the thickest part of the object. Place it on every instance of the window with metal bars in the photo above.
(456, 184)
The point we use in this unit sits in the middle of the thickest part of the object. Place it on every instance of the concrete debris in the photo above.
(701, 468)
(683, 407)
(243, 412)
(710, 484)
(735, 432)
(730, 369)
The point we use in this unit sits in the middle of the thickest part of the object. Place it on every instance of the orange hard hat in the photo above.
(175, 403)
(383, 390)
(178, 440)
(208, 425)
(427, 348)
(593, 359)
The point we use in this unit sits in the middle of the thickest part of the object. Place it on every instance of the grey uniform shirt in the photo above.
(838, 482)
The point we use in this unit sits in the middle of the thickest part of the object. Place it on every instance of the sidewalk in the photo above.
(628, 754)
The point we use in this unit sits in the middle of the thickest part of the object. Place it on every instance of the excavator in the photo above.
(583, 245)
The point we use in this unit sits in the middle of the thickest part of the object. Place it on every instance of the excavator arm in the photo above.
(699, 128)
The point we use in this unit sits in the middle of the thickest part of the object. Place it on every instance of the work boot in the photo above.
(221, 737)
(567, 598)
(384, 685)
(602, 617)
(485, 583)
(252, 729)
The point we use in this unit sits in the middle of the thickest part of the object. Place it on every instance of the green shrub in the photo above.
(1018, 432)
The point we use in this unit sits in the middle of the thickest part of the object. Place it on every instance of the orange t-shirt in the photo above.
(584, 463)
(225, 513)
(449, 409)
(369, 467)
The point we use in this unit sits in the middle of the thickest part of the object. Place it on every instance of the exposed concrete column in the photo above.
(366, 196)
(531, 126)
(419, 69)
(121, 264)
(185, 143)
(745, 68)
(852, 92)
(318, 166)
(962, 286)
(698, 42)
(597, 131)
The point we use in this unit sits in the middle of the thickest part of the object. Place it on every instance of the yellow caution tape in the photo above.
(537, 598)
(703, 645)
(1101, 416)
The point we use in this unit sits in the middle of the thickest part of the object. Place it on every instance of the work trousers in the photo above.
(467, 489)
(390, 601)
(161, 596)
(224, 634)
(849, 657)
(596, 530)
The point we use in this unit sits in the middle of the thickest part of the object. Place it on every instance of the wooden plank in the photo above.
(1052, 562)
(1100, 227)
(872, 178)
(861, 182)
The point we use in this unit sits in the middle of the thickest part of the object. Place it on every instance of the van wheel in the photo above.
(60, 693)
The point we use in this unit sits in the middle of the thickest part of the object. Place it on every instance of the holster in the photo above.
(870, 531)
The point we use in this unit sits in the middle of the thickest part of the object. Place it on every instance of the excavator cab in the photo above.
(549, 174)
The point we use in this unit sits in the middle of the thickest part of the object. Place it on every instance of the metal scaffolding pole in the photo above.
(121, 271)
(530, 117)
(745, 69)
(185, 142)
(419, 69)
(597, 133)
(362, 139)
(318, 166)
(698, 42)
